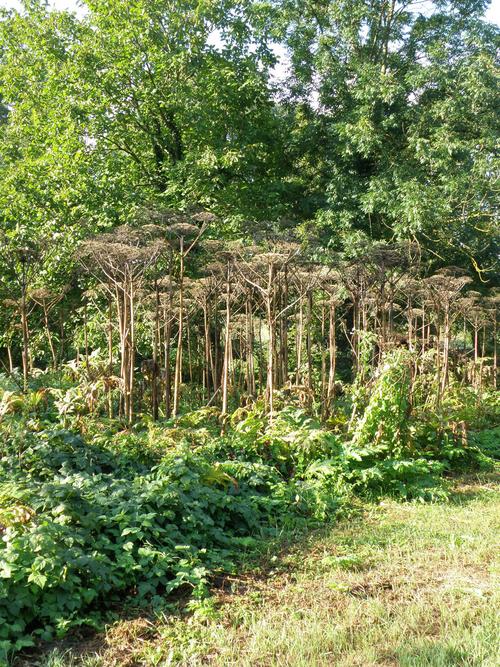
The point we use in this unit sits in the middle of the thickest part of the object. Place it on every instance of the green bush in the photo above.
(88, 525)
(488, 442)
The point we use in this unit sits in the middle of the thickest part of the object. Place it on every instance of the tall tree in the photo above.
(395, 111)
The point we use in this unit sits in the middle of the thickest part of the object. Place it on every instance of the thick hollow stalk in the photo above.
(178, 359)
(227, 345)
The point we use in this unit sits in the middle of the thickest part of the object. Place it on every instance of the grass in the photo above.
(402, 584)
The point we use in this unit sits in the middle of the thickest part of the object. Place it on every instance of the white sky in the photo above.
(58, 4)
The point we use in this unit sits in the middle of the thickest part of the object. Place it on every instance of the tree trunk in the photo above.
(167, 335)
(216, 355)
(410, 325)
(476, 352)
(188, 340)
(122, 314)
(261, 356)
(483, 353)
(438, 360)
(206, 336)
(61, 337)
(355, 334)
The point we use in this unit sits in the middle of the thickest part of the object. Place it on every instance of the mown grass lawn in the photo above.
(399, 584)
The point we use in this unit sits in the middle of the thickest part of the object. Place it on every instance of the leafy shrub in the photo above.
(384, 423)
(95, 512)
(379, 459)
(323, 485)
(100, 524)
(201, 417)
(488, 442)
(449, 444)
(301, 439)
(401, 448)
(291, 442)
(405, 478)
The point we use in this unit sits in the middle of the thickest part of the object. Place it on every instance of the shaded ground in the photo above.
(401, 584)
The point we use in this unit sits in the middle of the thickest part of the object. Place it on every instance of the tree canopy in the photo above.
(382, 121)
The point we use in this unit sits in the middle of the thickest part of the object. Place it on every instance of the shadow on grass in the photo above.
(476, 486)
(254, 568)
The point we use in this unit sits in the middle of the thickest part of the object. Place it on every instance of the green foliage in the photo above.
(291, 442)
(410, 478)
(430, 73)
(395, 452)
(454, 430)
(83, 523)
(487, 441)
(384, 423)
(361, 386)
(136, 108)
(88, 517)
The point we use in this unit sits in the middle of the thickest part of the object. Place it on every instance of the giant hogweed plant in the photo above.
(361, 384)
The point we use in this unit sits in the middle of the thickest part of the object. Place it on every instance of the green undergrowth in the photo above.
(93, 513)
(85, 522)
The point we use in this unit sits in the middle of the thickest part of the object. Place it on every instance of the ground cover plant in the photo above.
(93, 511)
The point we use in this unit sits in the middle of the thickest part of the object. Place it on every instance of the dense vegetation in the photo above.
(234, 301)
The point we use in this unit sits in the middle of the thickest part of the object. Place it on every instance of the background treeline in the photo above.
(379, 127)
